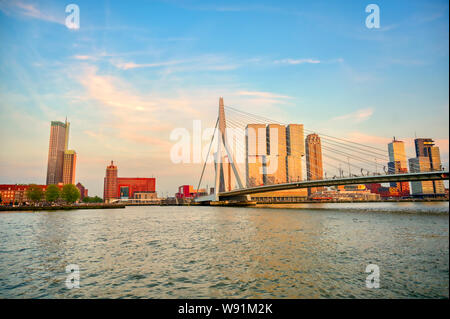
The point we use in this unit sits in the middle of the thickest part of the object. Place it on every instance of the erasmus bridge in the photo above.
(344, 162)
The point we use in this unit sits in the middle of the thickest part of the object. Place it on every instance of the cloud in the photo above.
(19, 8)
(366, 139)
(388, 27)
(84, 57)
(132, 65)
(297, 61)
(358, 116)
(263, 94)
(142, 119)
(199, 63)
(111, 92)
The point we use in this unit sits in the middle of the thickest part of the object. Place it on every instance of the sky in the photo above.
(136, 70)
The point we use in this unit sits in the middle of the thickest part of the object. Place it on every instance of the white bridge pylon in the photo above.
(218, 160)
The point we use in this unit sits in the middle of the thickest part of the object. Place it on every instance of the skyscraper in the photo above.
(274, 155)
(397, 153)
(61, 161)
(397, 164)
(427, 158)
(295, 150)
(110, 183)
(275, 161)
(57, 146)
(256, 149)
(416, 165)
(70, 163)
(422, 145)
(314, 165)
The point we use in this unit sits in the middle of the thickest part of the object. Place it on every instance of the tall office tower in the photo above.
(256, 149)
(314, 165)
(70, 163)
(397, 164)
(397, 153)
(66, 142)
(275, 161)
(425, 147)
(110, 183)
(422, 145)
(295, 150)
(416, 165)
(57, 146)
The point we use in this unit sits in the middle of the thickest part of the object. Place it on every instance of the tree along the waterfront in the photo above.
(34, 193)
(94, 199)
(52, 193)
(70, 193)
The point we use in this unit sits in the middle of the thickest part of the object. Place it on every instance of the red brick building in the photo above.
(125, 187)
(15, 193)
(110, 183)
(83, 191)
(188, 191)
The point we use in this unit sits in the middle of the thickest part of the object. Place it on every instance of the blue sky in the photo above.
(135, 70)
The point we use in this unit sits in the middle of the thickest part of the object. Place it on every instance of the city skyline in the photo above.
(290, 148)
(126, 88)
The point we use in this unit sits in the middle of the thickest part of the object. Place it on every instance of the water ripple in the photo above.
(219, 252)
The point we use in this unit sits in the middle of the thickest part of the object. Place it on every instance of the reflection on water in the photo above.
(319, 251)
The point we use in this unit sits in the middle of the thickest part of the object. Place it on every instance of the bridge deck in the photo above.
(409, 177)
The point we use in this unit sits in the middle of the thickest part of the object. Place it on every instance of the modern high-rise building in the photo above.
(61, 165)
(422, 145)
(110, 183)
(58, 141)
(275, 161)
(397, 165)
(274, 155)
(397, 153)
(295, 150)
(256, 149)
(416, 165)
(427, 158)
(314, 164)
(69, 167)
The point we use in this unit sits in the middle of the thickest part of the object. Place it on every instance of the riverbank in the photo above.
(61, 207)
(401, 200)
(224, 203)
(278, 202)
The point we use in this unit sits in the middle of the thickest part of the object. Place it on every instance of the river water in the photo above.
(297, 251)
